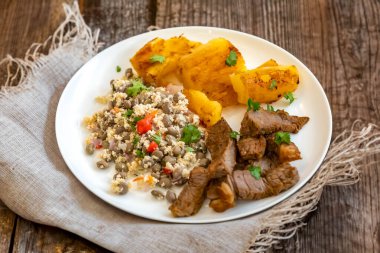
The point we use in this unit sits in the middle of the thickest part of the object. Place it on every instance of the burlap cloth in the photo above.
(36, 184)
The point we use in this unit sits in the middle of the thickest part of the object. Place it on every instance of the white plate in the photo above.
(93, 79)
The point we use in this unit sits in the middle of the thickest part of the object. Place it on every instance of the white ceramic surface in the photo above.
(77, 101)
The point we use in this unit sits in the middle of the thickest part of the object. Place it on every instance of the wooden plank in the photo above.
(7, 223)
(25, 22)
(31, 237)
(118, 19)
(339, 42)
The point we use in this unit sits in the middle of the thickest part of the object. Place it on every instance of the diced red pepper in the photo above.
(145, 124)
(167, 171)
(98, 146)
(152, 147)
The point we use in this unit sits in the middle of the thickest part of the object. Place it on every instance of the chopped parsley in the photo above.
(136, 140)
(190, 134)
(157, 58)
(270, 108)
(255, 171)
(127, 113)
(136, 88)
(157, 138)
(234, 135)
(282, 137)
(289, 96)
(118, 68)
(140, 153)
(273, 84)
(189, 149)
(136, 119)
(255, 106)
(231, 59)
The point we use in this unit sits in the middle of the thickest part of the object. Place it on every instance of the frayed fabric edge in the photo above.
(73, 28)
(341, 166)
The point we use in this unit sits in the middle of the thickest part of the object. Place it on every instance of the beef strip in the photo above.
(265, 163)
(221, 193)
(222, 148)
(192, 195)
(272, 182)
(264, 122)
(252, 148)
(282, 152)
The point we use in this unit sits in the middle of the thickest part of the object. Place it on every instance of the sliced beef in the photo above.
(283, 152)
(192, 195)
(264, 122)
(281, 178)
(272, 182)
(222, 148)
(247, 187)
(252, 148)
(221, 193)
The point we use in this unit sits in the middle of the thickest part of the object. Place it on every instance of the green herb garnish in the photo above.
(270, 108)
(273, 84)
(137, 87)
(255, 171)
(231, 59)
(189, 149)
(136, 119)
(255, 106)
(118, 68)
(157, 138)
(289, 96)
(136, 140)
(190, 134)
(157, 58)
(140, 153)
(127, 113)
(234, 135)
(282, 137)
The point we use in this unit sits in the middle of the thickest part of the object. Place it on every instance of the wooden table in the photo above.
(338, 40)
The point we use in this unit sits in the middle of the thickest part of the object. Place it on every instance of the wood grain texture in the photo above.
(31, 237)
(7, 224)
(25, 22)
(118, 19)
(339, 41)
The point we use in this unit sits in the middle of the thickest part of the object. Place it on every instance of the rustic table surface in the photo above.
(338, 40)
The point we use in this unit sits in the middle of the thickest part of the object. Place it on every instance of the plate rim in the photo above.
(259, 210)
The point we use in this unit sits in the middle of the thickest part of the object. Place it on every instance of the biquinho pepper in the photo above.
(167, 171)
(152, 147)
(145, 124)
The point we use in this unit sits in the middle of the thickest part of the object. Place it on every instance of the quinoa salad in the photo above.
(148, 135)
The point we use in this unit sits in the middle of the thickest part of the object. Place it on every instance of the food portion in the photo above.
(265, 84)
(272, 182)
(161, 137)
(149, 134)
(192, 195)
(209, 111)
(222, 149)
(263, 122)
(207, 68)
(157, 61)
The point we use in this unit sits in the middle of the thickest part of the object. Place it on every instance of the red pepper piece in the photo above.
(167, 171)
(145, 124)
(152, 147)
